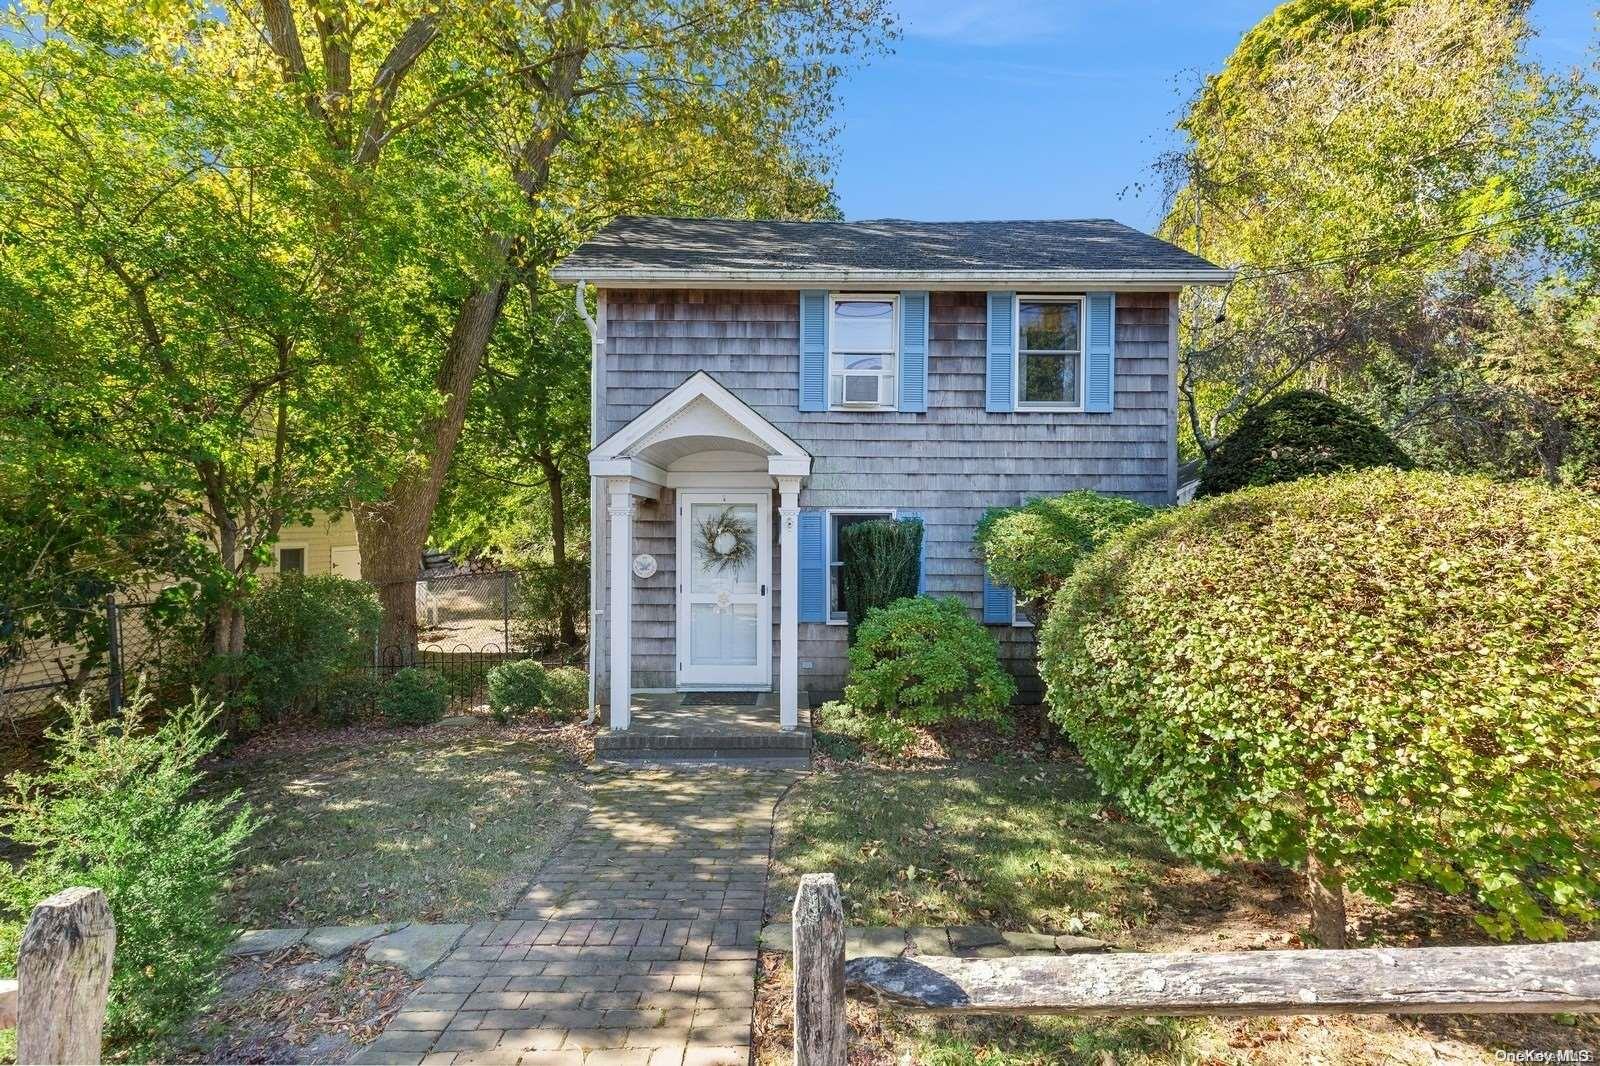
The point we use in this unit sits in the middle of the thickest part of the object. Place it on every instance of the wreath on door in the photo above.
(725, 540)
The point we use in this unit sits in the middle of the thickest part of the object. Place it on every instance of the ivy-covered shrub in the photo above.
(1295, 435)
(114, 809)
(299, 634)
(922, 661)
(1034, 548)
(516, 687)
(1390, 676)
(879, 563)
(566, 690)
(415, 695)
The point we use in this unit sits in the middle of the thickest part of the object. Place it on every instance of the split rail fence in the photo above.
(57, 1004)
(1520, 979)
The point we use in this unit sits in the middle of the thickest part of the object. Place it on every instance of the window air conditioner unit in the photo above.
(863, 390)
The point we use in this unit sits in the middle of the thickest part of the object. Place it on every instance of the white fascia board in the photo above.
(1035, 280)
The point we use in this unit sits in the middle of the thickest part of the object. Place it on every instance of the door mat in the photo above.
(721, 699)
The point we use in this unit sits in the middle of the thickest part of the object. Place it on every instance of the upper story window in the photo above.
(862, 353)
(1050, 353)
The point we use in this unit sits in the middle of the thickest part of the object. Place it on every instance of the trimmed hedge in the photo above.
(1396, 674)
(1034, 548)
(924, 661)
(1295, 435)
(416, 695)
(879, 563)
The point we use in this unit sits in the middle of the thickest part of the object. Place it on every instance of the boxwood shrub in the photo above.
(924, 661)
(516, 687)
(1298, 434)
(1394, 676)
(1034, 548)
(416, 695)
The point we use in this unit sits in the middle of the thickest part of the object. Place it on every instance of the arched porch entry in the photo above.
(716, 463)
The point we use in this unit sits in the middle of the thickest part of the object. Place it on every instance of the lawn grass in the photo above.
(437, 825)
(1032, 846)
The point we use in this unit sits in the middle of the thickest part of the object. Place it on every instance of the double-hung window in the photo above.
(291, 558)
(862, 353)
(838, 522)
(1050, 353)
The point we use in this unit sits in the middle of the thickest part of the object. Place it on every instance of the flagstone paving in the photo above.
(635, 945)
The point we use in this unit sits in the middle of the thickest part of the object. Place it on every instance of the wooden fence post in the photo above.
(63, 975)
(819, 1023)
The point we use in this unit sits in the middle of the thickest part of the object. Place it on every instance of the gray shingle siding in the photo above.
(950, 463)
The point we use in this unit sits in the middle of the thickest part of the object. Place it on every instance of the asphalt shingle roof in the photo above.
(675, 246)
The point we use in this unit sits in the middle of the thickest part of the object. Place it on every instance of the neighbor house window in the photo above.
(861, 352)
(1050, 352)
(291, 559)
(838, 521)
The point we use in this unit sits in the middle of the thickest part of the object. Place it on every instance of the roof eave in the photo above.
(933, 279)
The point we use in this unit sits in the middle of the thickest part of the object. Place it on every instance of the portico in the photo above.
(714, 463)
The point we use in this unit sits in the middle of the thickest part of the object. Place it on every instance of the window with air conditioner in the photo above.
(862, 352)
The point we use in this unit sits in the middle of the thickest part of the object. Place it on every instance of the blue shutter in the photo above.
(913, 351)
(922, 559)
(1002, 356)
(1100, 360)
(999, 603)
(813, 595)
(813, 350)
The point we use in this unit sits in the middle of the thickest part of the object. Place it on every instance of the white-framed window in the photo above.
(863, 351)
(1049, 373)
(837, 522)
(289, 558)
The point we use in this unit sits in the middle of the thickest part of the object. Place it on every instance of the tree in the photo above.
(1376, 169)
(519, 486)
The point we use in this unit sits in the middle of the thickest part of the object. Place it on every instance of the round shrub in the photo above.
(415, 695)
(516, 687)
(1388, 676)
(1034, 548)
(346, 697)
(1299, 434)
(566, 690)
(924, 661)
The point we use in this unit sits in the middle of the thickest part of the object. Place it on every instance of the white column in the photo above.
(789, 622)
(620, 622)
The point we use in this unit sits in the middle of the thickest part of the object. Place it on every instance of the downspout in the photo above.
(597, 354)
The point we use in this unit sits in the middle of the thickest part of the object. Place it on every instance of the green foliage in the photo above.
(547, 593)
(516, 687)
(415, 695)
(1034, 548)
(1392, 672)
(877, 733)
(923, 661)
(346, 697)
(301, 633)
(881, 560)
(566, 689)
(1298, 434)
(113, 810)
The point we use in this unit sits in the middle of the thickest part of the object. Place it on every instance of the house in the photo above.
(326, 545)
(758, 386)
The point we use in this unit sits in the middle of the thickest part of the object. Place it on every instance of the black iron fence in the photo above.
(465, 625)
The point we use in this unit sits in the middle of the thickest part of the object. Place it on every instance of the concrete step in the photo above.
(775, 743)
(689, 759)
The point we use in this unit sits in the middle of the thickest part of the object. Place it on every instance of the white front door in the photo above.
(724, 585)
(347, 562)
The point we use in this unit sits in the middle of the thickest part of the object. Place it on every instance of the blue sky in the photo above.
(1051, 109)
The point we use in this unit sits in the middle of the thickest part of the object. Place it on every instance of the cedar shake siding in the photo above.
(949, 464)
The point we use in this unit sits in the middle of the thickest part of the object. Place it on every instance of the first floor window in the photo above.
(862, 353)
(1050, 352)
(291, 560)
(839, 521)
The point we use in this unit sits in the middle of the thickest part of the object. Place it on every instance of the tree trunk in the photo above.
(1325, 892)
(554, 482)
(393, 531)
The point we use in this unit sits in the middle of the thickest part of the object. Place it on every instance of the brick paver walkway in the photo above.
(635, 946)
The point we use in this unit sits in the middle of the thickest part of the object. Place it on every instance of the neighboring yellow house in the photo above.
(326, 546)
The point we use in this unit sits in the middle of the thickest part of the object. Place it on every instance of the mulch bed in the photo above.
(1031, 738)
(301, 736)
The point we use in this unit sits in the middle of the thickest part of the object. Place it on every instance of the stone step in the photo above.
(684, 757)
(794, 741)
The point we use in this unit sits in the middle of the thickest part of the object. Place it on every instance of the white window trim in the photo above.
(1017, 402)
(829, 546)
(891, 357)
(305, 556)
